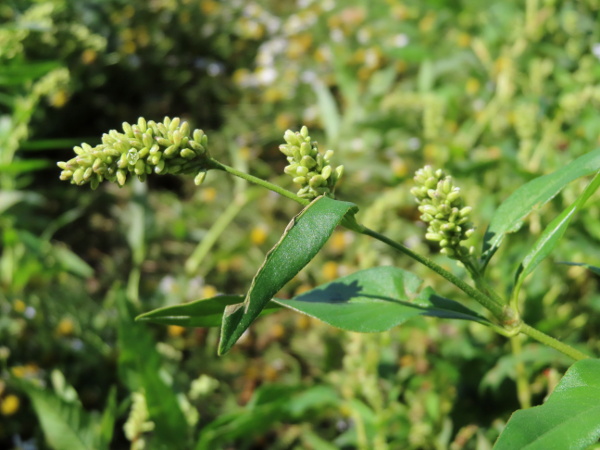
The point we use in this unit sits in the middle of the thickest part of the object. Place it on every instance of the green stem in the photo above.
(496, 308)
(552, 342)
(485, 287)
(523, 391)
(200, 252)
(490, 300)
(214, 164)
(133, 284)
(480, 281)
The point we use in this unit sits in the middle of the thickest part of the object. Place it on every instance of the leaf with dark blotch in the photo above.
(375, 300)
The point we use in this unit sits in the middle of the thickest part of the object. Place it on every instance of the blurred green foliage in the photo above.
(496, 92)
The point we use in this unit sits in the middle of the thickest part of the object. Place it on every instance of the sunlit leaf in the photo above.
(200, 313)
(303, 238)
(509, 216)
(569, 419)
(375, 300)
(554, 232)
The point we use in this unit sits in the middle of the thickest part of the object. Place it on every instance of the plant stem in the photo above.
(523, 391)
(552, 342)
(214, 164)
(496, 308)
(489, 300)
(200, 252)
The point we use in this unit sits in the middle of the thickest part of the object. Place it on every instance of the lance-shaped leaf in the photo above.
(140, 368)
(303, 238)
(200, 313)
(375, 300)
(67, 425)
(570, 418)
(509, 216)
(591, 268)
(554, 232)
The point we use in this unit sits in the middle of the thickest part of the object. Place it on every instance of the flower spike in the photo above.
(442, 207)
(141, 149)
(309, 168)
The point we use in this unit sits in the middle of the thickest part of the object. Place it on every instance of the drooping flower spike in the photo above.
(141, 149)
(308, 167)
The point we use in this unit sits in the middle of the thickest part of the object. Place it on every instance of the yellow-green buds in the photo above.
(441, 206)
(142, 148)
(309, 168)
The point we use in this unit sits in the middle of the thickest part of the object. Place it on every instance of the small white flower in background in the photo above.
(596, 50)
(308, 77)
(202, 386)
(363, 36)
(401, 40)
(266, 75)
(414, 143)
(336, 35)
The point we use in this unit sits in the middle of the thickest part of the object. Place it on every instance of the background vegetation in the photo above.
(495, 92)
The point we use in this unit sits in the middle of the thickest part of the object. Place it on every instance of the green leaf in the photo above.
(376, 300)
(426, 77)
(18, 73)
(553, 233)
(534, 356)
(39, 145)
(302, 239)
(271, 404)
(200, 313)
(330, 115)
(594, 269)
(569, 420)
(509, 216)
(24, 166)
(140, 368)
(11, 198)
(107, 422)
(67, 425)
(71, 262)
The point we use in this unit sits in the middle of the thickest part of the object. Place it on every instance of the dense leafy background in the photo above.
(497, 93)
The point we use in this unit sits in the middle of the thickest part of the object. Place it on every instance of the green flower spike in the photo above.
(309, 168)
(142, 148)
(442, 207)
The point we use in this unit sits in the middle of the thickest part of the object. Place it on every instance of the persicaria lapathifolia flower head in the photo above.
(309, 168)
(141, 149)
(442, 207)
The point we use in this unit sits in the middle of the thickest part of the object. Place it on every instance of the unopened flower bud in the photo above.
(199, 179)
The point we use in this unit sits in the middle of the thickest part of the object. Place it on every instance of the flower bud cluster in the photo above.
(309, 168)
(143, 148)
(442, 207)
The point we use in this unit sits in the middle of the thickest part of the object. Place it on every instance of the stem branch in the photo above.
(496, 308)
(523, 391)
(552, 342)
(252, 179)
